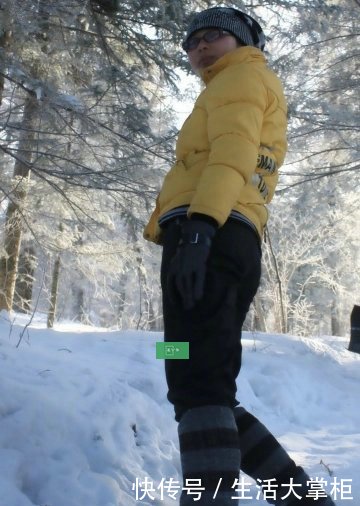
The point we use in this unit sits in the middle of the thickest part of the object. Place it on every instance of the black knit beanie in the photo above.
(245, 28)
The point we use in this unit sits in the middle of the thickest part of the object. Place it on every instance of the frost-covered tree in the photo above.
(310, 279)
(98, 74)
(322, 172)
(92, 69)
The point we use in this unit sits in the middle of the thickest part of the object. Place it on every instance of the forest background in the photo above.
(89, 92)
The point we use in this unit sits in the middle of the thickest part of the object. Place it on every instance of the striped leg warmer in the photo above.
(263, 458)
(209, 450)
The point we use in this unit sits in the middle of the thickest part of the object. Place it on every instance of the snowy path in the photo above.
(83, 412)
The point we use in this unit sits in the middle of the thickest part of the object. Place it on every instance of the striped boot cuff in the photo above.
(262, 456)
(300, 494)
(209, 448)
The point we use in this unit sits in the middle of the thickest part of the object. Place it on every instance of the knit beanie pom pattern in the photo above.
(245, 28)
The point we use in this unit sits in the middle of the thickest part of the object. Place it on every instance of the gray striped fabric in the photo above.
(209, 451)
(219, 19)
(263, 458)
(231, 20)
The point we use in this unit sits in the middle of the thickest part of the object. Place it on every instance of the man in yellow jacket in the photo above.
(210, 216)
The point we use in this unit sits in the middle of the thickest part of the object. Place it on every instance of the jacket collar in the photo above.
(242, 54)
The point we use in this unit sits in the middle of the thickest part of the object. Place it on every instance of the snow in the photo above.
(84, 417)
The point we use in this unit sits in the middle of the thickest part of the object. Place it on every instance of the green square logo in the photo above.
(172, 350)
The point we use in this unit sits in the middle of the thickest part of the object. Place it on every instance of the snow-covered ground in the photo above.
(84, 418)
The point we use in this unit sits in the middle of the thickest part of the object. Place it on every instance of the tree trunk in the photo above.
(5, 39)
(259, 321)
(80, 305)
(13, 222)
(281, 306)
(25, 280)
(152, 318)
(145, 304)
(121, 299)
(54, 293)
(335, 324)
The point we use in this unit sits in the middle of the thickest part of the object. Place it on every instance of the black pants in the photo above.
(213, 326)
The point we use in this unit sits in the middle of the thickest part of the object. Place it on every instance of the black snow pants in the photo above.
(213, 326)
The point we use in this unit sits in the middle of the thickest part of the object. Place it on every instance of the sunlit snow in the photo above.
(84, 418)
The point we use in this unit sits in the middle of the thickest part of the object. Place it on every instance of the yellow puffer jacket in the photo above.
(231, 146)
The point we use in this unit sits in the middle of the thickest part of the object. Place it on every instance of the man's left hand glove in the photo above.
(188, 267)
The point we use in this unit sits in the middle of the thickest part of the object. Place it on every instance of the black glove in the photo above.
(187, 271)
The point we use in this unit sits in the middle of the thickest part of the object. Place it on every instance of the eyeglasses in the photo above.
(211, 36)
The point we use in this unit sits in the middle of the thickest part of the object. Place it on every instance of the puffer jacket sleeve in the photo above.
(236, 104)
